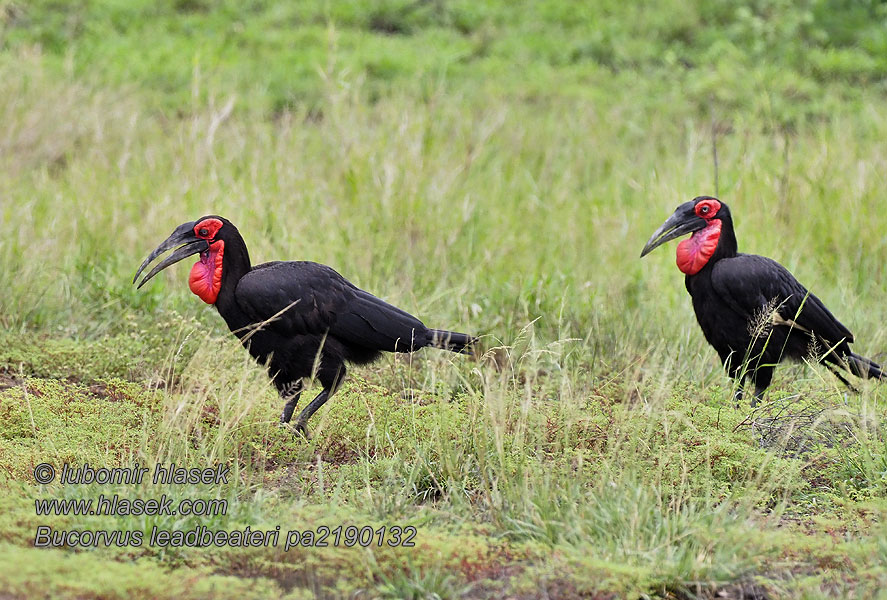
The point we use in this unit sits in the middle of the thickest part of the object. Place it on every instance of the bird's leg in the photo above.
(762, 376)
(739, 378)
(737, 397)
(313, 406)
(331, 380)
(290, 392)
(758, 397)
(288, 409)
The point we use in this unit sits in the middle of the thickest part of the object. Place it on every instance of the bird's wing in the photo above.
(295, 298)
(752, 285)
(373, 323)
(310, 298)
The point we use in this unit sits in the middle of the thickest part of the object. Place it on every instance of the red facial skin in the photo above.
(205, 279)
(207, 228)
(694, 252)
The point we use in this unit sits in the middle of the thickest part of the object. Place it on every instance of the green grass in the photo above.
(491, 168)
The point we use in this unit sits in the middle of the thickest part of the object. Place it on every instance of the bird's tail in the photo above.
(864, 367)
(452, 341)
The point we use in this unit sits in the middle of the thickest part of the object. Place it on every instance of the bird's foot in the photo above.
(737, 398)
(298, 429)
(757, 398)
(302, 429)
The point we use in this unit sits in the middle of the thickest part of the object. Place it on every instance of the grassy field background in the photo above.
(491, 167)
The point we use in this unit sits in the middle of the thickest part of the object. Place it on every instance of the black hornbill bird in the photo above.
(750, 308)
(294, 316)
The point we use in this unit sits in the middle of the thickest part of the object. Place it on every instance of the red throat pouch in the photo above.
(694, 252)
(206, 274)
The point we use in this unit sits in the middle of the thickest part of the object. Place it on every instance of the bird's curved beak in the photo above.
(186, 244)
(682, 222)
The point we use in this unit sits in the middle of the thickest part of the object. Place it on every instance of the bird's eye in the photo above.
(203, 231)
(705, 208)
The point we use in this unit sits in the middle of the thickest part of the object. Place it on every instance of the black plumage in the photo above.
(750, 308)
(300, 318)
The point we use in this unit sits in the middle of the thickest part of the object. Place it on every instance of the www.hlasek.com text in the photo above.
(117, 505)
